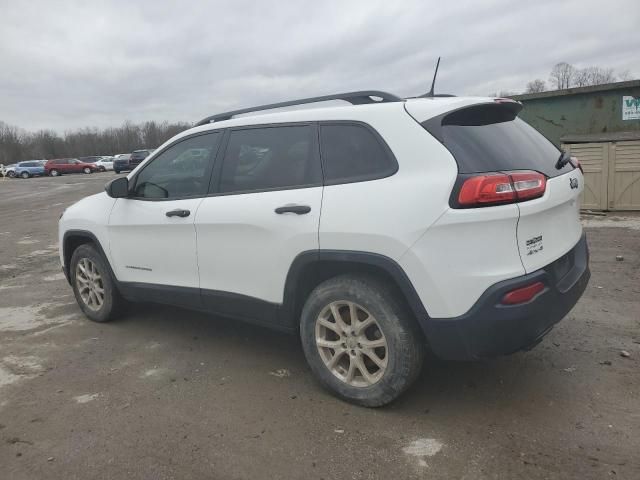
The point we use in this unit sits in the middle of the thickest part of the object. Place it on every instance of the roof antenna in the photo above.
(433, 83)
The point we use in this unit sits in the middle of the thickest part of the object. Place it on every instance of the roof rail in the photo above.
(355, 98)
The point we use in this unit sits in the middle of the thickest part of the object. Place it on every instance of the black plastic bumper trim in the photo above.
(490, 329)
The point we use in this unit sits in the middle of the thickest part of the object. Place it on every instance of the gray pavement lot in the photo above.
(168, 393)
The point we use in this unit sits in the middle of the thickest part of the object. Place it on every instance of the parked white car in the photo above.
(10, 170)
(105, 164)
(372, 230)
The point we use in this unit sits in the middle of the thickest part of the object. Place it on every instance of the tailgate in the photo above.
(550, 226)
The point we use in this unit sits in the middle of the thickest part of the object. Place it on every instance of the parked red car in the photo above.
(68, 165)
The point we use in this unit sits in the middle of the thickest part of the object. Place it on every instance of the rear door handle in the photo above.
(178, 213)
(297, 209)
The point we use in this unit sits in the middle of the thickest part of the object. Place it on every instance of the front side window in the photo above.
(270, 158)
(352, 153)
(180, 171)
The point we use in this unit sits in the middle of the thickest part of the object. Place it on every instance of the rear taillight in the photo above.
(522, 294)
(500, 188)
(528, 185)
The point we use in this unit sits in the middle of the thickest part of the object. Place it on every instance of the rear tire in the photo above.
(392, 337)
(116, 171)
(54, 173)
(93, 286)
(11, 174)
(86, 170)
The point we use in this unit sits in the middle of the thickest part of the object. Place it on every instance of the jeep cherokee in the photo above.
(374, 231)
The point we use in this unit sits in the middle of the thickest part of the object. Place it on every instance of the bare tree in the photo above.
(625, 76)
(561, 76)
(536, 86)
(584, 77)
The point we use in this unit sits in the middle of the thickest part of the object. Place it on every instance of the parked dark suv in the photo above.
(130, 162)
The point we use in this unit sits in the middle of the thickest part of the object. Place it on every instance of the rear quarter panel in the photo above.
(388, 215)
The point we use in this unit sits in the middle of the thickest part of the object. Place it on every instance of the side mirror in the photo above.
(118, 187)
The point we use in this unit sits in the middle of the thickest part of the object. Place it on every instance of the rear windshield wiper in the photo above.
(563, 160)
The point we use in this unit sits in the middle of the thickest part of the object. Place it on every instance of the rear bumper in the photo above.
(490, 329)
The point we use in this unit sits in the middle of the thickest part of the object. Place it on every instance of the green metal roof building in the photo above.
(585, 114)
(600, 125)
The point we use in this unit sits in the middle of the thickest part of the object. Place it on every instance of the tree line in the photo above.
(564, 75)
(17, 145)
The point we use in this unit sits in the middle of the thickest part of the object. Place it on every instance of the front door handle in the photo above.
(178, 213)
(297, 209)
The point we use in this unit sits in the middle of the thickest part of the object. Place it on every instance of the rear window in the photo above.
(489, 138)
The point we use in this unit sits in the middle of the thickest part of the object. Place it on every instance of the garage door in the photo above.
(611, 174)
(624, 176)
(594, 158)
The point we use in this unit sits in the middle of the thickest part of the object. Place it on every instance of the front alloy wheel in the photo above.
(351, 343)
(90, 284)
(86, 170)
(93, 284)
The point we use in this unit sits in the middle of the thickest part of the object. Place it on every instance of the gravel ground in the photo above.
(168, 393)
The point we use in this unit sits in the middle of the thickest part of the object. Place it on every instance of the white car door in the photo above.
(152, 238)
(265, 211)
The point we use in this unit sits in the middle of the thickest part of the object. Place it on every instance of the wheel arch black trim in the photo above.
(305, 260)
(67, 255)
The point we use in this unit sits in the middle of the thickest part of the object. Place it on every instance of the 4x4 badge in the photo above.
(573, 183)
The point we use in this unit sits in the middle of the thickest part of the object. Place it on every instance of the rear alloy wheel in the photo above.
(54, 173)
(351, 344)
(360, 341)
(86, 170)
(93, 285)
(11, 174)
(25, 175)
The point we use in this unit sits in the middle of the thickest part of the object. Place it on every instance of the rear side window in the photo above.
(352, 153)
(490, 138)
(269, 158)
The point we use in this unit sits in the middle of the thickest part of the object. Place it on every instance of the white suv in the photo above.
(374, 230)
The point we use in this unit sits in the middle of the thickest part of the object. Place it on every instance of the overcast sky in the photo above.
(67, 64)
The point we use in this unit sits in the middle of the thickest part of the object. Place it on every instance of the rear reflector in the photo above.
(522, 294)
(500, 188)
(576, 164)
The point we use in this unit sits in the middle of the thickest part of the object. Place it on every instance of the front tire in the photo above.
(86, 170)
(11, 174)
(116, 171)
(93, 285)
(54, 173)
(359, 340)
(25, 175)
